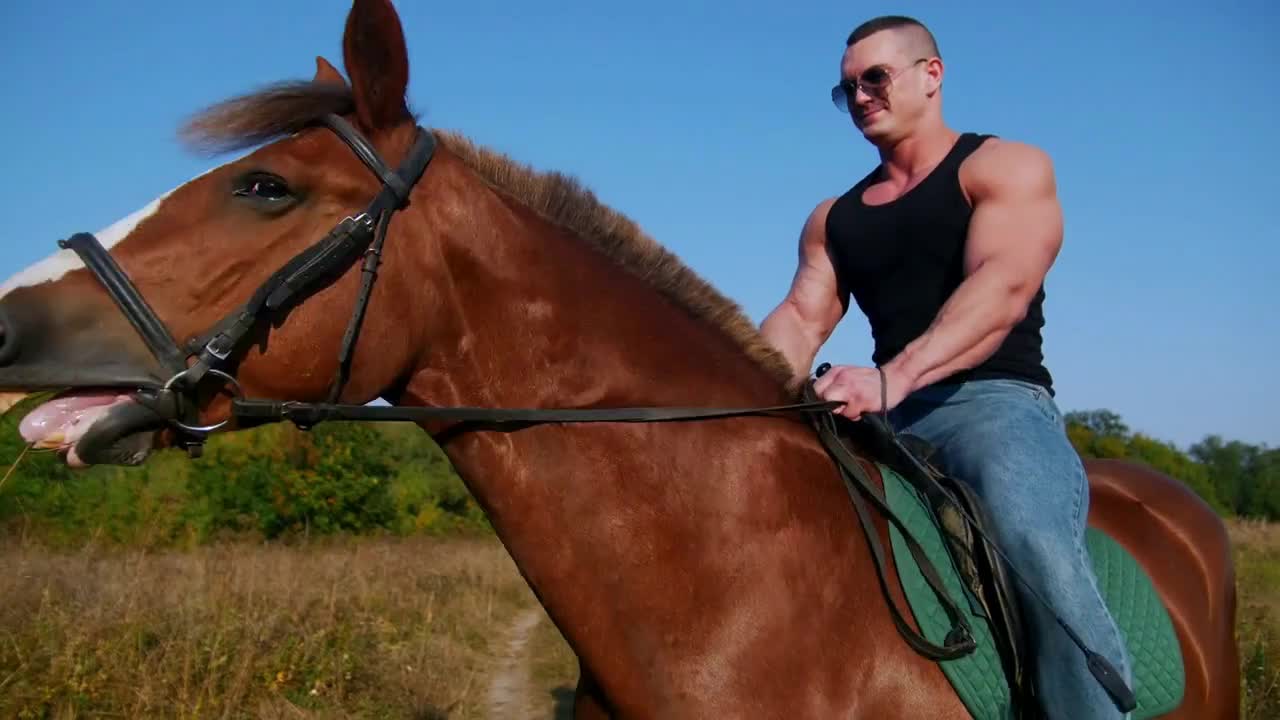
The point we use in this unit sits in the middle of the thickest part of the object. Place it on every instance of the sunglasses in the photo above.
(874, 81)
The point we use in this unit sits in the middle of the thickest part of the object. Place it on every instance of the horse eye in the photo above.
(263, 187)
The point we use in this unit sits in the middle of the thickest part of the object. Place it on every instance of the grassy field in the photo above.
(1257, 553)
(365, 628)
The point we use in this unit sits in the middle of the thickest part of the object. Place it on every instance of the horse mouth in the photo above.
(90, 426)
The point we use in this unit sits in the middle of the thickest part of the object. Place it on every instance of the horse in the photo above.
(708, 567)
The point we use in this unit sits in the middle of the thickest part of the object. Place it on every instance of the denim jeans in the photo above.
(1007, 439)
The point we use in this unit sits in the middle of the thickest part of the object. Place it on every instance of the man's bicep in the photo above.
(1017, 219)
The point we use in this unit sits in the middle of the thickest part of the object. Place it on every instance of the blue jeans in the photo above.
(1008, 440)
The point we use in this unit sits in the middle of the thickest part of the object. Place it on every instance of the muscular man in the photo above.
(944, 246)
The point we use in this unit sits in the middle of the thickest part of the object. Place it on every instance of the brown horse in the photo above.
(698, 569)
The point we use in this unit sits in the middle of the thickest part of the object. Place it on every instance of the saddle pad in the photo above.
(979, 677)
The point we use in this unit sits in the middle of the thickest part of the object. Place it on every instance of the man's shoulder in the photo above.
(814, 232)
(1003, 153)
(1002, 167)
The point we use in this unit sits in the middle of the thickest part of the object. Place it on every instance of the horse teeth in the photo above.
(52, 440)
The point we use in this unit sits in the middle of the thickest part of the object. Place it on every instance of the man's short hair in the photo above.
(895, 22)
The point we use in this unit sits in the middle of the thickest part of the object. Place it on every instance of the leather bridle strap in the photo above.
(128, 299)
(398, 184)
(251, 411)
(323, 261)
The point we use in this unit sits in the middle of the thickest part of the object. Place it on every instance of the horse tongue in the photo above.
(53, 421)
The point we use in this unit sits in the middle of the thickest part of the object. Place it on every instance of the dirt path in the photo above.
(511, 689)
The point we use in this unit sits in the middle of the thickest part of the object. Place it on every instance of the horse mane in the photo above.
(286, 108)
(564, 201)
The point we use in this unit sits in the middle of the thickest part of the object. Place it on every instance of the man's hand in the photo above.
(859, 388)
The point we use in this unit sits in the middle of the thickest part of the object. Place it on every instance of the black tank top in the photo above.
(902, 260)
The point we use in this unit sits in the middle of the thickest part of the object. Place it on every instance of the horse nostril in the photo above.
(8, 339)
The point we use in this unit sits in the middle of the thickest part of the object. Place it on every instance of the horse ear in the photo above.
(327, 73)
(377, 60)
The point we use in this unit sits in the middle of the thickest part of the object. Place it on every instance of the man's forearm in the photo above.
(784, 329)
(967, 330)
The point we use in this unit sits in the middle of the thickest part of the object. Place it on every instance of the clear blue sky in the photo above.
(710, 123)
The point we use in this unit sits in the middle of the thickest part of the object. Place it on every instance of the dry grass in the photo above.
(365, 629)
(1257, 557)
(358, 628)
(1256, 535)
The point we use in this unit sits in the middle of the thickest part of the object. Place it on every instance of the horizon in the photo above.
(715, 133)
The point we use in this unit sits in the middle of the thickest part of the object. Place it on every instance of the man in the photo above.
(945, 246)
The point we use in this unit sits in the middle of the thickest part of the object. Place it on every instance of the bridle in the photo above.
(214, 355)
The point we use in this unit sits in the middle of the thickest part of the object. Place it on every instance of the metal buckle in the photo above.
(219, 347)
(229, 381)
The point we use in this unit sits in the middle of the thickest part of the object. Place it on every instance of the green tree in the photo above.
(1168, 459)
(1103, 434)
(1229, 464)
(1099, 422)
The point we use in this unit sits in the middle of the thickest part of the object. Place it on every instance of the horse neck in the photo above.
(603, 520)
(535, 317)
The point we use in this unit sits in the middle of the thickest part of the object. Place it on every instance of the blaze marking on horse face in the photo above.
(62, 262)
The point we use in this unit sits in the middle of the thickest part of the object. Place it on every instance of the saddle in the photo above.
(954, 505)
(982, 570)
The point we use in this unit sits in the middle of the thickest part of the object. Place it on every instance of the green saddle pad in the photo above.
(978, 678)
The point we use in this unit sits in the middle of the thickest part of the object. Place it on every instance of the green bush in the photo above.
(268, 482)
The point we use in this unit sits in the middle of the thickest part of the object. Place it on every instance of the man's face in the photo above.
(893, 84)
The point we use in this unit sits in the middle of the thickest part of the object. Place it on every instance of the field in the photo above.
(1257, 552)
(369, 628)
(417, 627)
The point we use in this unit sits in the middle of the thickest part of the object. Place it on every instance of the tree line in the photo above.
(279, 482)
(1237, 478)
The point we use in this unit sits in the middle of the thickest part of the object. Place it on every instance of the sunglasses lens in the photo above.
(875, 81)
(840, 97)
(875, 77)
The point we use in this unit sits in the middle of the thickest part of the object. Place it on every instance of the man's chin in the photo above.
(873, 129)
(880, 124)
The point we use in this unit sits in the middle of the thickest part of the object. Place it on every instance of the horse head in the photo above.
(193, 258)
(252, 279)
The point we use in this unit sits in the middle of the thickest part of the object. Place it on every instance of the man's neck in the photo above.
(919, 152)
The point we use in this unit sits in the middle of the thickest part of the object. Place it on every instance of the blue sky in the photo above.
(711, 124)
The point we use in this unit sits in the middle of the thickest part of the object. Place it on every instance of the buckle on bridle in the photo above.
(228, 381)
